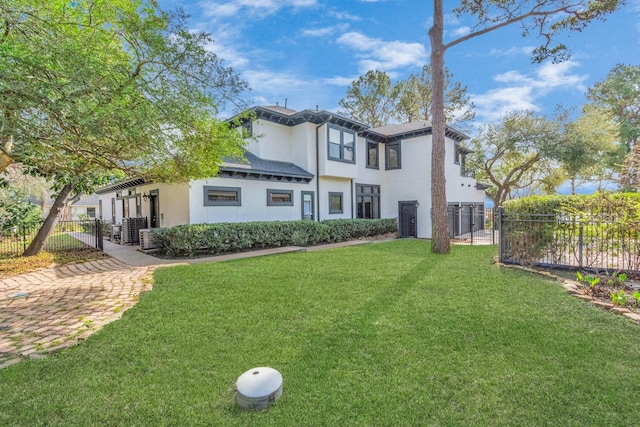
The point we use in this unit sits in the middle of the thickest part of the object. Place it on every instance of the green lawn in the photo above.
(382, 334)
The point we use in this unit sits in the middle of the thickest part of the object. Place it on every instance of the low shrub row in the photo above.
(190, 240)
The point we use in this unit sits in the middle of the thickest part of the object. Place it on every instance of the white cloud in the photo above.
(451, 19)
(551, 76)
(461, 31)
(326, 31)
(377, 54)
(495, 103)
(251, 7)
(523, 92)
(345, 16)
(523, 50)
(340, 81)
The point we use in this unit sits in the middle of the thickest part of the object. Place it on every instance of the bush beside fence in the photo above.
(596, 231)
(191, 240)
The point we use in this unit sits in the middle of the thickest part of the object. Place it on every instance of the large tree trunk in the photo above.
(50, 222)
(440, 234)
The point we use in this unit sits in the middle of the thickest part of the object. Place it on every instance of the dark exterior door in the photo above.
(408, 219)
(154, 209)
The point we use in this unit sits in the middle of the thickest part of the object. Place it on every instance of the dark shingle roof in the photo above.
(84, 200)
(396, 132)
(400, 129)
(289, 117)
(257, 168)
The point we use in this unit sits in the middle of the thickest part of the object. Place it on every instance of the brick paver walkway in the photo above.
(55, 308)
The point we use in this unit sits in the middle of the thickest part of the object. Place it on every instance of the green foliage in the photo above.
(588, 149)
(373, 335)
(371, 99)
(561, 225)
(376, 100)
(636, 296)
(15, 210)
(189, 240)
(512, 155)
(619, 93)
(89, 88)
(619, 298)
(592, 281)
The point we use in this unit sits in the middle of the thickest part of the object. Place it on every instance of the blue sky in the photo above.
(309, 51)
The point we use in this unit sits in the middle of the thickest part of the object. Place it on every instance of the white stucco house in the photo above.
(313, 165)
(86, 207)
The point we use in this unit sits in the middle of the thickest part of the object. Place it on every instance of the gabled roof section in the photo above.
(121, 185)
(396, 132)
(252, 167)
(84, 200)
(257, 168)
(288, 117)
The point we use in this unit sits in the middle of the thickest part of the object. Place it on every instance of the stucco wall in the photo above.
(253, 201)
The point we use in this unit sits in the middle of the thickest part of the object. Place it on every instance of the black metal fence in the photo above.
(593, 240)
(67, 235)
(473, 224)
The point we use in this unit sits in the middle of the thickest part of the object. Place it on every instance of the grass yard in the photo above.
(382, 334)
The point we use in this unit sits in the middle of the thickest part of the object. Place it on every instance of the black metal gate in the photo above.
(472, 223)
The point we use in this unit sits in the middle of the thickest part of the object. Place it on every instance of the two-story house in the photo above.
(313, 165)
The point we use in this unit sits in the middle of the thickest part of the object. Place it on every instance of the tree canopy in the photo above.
(93, 89)
(545, 19)
(513, 155)
(376, 100)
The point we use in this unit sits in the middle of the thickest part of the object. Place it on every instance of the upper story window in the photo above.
(456, 154)
(279, 197)
(392, 156)
(372, 155)
(341, 144)
(247, 128)
(221, 196)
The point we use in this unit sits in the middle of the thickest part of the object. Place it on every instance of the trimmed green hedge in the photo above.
(593, 228)
(190, 240)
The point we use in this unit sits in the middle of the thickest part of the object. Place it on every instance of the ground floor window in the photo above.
(91, 212)
(221, 196)
(335, 203)
(279, 197)
(368, 201)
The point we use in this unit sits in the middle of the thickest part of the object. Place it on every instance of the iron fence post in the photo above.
(99, 237)
(498, 221)
(24, 237)
(580, 246)
(493, 225)
(471, 220)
